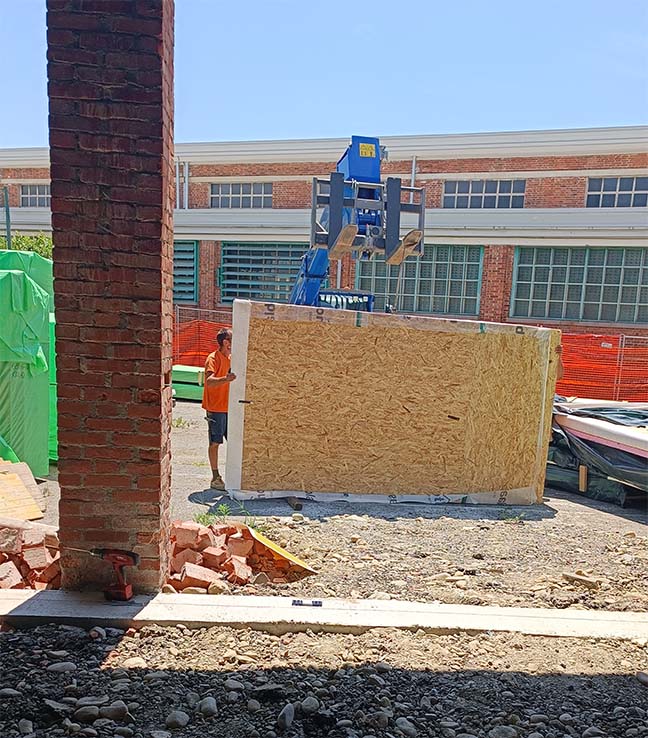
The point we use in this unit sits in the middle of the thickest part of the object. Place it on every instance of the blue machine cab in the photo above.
(354, 211)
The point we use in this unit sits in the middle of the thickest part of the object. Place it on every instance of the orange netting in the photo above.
(605, 367)
(194, 340)
(602, 367)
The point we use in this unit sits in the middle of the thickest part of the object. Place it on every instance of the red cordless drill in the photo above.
(119, 559)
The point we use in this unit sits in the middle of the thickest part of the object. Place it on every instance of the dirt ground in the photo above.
(175, 683)
(470, 554)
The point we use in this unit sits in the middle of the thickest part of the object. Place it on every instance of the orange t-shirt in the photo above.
(215, 398)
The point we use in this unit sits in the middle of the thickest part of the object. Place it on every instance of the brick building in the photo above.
(546, 227)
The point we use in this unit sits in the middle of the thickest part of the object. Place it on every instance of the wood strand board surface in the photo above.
(24, 472)
(15, 499)
(394, 406)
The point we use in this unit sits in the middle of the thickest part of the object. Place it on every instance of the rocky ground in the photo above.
(171, 682)
(455, 554)
(488, 558)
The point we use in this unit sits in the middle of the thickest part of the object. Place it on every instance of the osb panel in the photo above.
(388, 405)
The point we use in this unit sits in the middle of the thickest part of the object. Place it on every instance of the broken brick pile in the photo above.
(29, 557)
(209, 558)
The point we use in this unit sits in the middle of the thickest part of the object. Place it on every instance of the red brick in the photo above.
(239, 546)
(185, 556)
(239, 571)
(214, 556)
(193, 575)
(10, 576)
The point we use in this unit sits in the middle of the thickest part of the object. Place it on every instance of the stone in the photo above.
(642, 678)
(592, 732)
(233, 685)
(208, 707)
(160, 734)
(90, 700)
(286, 717)
(135, 662)
(502, 731)
(25, 726)
(124, 731)
(220, 586)
(61, 667)
(9, 692)
(117, 711)
(535, 719)
(253, 705)
(310, 705)
(177, 719)
(87, 714)
(194, 591)
(406, 727)
(97, 633)
(169, 589)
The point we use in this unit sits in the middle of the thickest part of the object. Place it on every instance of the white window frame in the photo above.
(240, 195)
(35, 196)
(445, 280)
(472, 194)
(581, 284)
(632, 191)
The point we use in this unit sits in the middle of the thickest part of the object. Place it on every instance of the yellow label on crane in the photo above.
(368, 150)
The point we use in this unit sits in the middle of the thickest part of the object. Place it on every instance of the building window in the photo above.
(608, 285)
(34, 196)
(185, 271)
(445, 280)
(259, 271)
(241, 195)
(617, 192)
(484, 193)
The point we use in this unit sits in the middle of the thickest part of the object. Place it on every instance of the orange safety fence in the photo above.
(598, 366)
(194, 340)
(605, 367)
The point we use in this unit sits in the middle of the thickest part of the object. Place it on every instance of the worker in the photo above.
(218, 376)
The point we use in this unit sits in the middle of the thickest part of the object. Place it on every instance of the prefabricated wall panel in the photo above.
(335, 403)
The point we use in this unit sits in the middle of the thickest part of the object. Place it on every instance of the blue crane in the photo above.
(359, 214)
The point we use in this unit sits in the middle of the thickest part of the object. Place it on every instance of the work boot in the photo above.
(217, 481)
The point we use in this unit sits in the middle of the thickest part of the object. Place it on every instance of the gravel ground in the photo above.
(60, 681)
(471, 555)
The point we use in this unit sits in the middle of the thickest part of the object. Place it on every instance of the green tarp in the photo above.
(33, 265)
(24, 328)
(24, 375)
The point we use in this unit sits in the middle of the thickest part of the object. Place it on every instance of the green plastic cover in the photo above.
(34, 265)
(24, 376)
(187, 391)
(24, 328)
(187, 374)
(6, 452)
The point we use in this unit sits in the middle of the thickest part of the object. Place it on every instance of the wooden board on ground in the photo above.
(15, 499)
(338, 403)
(24, 472)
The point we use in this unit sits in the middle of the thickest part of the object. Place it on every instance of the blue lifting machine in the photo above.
(354, 211)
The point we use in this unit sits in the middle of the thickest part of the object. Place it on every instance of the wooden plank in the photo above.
(582, 478)
(15, 499)
(24, 472)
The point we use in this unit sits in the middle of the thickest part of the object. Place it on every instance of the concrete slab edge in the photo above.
(279, 615)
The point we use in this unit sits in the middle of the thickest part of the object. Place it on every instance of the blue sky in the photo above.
(264, 69)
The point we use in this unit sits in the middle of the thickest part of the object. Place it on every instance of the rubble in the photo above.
(210, 557)
(29, 555)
